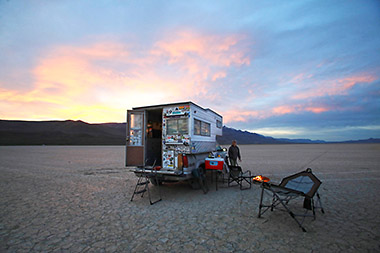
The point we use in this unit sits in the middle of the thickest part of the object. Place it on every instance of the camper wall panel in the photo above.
(168, 159)
(217, 128)
(176, 132)
(176, 126)
(203, 138)
(202, 114)
(198, 114)
(209, 117)
(178, 148)
(202, 146)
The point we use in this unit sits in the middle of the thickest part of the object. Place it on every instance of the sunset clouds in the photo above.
(259, 65)
(333, 87)
(84, 82)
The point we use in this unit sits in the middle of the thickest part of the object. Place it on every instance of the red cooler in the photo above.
(214, 163)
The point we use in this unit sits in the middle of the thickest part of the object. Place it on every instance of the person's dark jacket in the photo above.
(234, 152)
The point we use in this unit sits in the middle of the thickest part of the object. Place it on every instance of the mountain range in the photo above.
(69, 132)
(66, 132)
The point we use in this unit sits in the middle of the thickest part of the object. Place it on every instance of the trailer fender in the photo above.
(201, 164)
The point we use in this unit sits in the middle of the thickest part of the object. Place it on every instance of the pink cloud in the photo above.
(300, 78)
(317, 109)
(285, 109)
(239, 115)
(198, 54)
(97, 82)
(297, 108)
(218, 50)
(334, 87)
(218, 75)
(244, 115)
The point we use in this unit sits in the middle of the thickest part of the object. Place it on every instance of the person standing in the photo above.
(234, 153)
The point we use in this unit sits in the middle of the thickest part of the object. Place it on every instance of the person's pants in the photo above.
(233, 162)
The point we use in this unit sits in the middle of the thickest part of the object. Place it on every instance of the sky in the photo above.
(291, 69)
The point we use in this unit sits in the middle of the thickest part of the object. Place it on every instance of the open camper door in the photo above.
(135, 138)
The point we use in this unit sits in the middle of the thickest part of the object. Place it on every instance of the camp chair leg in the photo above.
(232, 179)
(292, 215)
(274, 200)
(239, 177)
(261, 201)
(247, 178)
(281, 201)
(319, 202)
(158, 188)
(150, 200)
(282, 195)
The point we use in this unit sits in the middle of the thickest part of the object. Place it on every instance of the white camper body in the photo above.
(175, 138)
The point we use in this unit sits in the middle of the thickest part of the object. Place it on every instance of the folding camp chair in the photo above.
(237, 175)
(303, 184)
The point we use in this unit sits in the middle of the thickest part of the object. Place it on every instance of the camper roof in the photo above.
(173, 104)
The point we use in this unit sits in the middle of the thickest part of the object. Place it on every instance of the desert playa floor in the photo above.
(76, 199)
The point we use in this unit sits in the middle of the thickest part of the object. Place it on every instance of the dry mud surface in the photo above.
(76, 199)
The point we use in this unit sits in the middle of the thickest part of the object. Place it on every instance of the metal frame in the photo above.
(281, 196)
(143, 181)
(238, 176)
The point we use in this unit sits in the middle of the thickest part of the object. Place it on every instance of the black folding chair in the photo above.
(303, 184)
(236, 175)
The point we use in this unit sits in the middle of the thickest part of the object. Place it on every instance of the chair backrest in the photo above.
(227, 161)
(235, 171)
(304, 181)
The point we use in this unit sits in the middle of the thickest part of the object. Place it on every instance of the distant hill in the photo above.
(245, 137)
(69, 132)
(301, 140)
(370, 140)
(61, 133)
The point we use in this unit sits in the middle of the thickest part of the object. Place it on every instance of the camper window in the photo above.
(218, 124)
(135, 130)
(197, 127)
(201, 128)
(205, 129)
(176, 126)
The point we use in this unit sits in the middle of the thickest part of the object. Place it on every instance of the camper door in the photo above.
(135, 138)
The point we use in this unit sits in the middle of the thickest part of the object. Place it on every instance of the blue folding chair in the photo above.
(303, 184)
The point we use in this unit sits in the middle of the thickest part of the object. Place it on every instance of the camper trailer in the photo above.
(170, 139)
